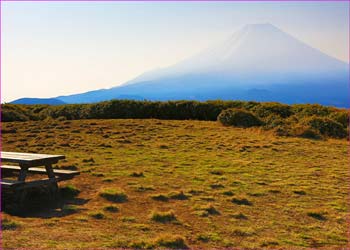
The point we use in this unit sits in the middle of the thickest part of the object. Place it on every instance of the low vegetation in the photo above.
(114, 195)
(163, 217)
(69, 209)
(186, 184)
(171, 241)
(111, 209)
(7, 224)
(238, 118)
(302, 120)
(97, 215)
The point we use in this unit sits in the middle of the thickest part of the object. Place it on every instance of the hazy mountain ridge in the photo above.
(32, 101)
(259, 62)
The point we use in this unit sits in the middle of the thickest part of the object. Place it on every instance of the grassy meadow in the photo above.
(148, 183)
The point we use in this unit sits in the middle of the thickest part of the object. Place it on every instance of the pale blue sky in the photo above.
(58, 48)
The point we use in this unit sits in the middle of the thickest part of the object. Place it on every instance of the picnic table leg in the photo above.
(23, 173)
(53, 187)
(49, 171)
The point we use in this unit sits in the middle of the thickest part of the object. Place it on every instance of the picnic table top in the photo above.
(30, 159)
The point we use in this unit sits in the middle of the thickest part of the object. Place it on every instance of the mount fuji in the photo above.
(260, 62)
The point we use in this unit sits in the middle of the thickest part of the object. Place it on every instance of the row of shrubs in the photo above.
(312, 126)
(306, 120)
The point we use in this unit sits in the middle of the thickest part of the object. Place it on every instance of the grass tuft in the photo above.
(243, 232)
(163, 217)
(239, 216)
(228, 193)
(217, 172)
(178, 196)
(160, 197)
(128, 219)
(242, 201)
(216, 186)
(70, 209)
(7, 224)
(317, 215)
(88, 160)
(141, 188)
(69, 191)
(111, 208)
(269, 243)
(299, 192)
(208, 210)
(171, 241)
(137, 174)
(97, 215)
(114, 195)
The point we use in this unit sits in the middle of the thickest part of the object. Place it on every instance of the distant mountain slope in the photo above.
(49, 101)
(259, 62)
(256, 50)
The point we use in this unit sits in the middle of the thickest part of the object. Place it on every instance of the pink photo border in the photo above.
(348, 200)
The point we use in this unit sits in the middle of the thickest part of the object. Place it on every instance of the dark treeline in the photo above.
(280, 117)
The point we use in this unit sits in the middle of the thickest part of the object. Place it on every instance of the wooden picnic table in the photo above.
(15, 192)
(28, 162)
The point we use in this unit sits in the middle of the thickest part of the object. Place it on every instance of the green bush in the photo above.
(282, 130)
(273, 108)
(238, 118)
(305, 110)
(273, 121)
(326, 126)
(11, 113)
(341, 116)
(305, 131)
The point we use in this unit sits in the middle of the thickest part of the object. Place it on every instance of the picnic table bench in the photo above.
(33, 163)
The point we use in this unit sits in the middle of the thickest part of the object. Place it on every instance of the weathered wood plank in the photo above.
(30, 159)
(40, 170)
(28, 184)
(10, 183)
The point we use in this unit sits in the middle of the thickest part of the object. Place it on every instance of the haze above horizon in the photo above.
(52, 49)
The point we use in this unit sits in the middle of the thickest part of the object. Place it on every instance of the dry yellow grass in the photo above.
(226, 187)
